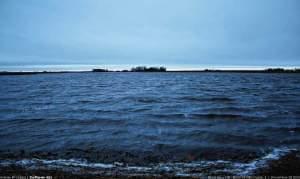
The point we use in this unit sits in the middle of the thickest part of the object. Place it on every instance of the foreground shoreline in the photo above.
(287, 165)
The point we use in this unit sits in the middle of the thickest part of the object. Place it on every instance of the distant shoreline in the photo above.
(6, 73)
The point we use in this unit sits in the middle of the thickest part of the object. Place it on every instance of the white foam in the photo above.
(197, 168)
(249, 168)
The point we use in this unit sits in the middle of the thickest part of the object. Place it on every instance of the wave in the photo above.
(196, 168)
(224, 116)
(207, 99)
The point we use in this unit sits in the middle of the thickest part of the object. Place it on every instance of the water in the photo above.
(169, 120)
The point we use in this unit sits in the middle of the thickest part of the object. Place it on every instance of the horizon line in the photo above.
(116, 67)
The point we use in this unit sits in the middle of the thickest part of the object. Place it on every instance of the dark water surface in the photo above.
(149, 119)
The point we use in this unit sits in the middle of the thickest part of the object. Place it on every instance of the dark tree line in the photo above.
(150, 69)
(282, 70)
(100, 70)
(136, 69)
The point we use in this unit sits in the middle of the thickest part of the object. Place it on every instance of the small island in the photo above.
(150, 69)
(135, 69)
(100, 70)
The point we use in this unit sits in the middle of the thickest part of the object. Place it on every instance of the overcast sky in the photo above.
(167, 32)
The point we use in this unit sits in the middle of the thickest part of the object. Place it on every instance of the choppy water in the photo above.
(149, 119)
